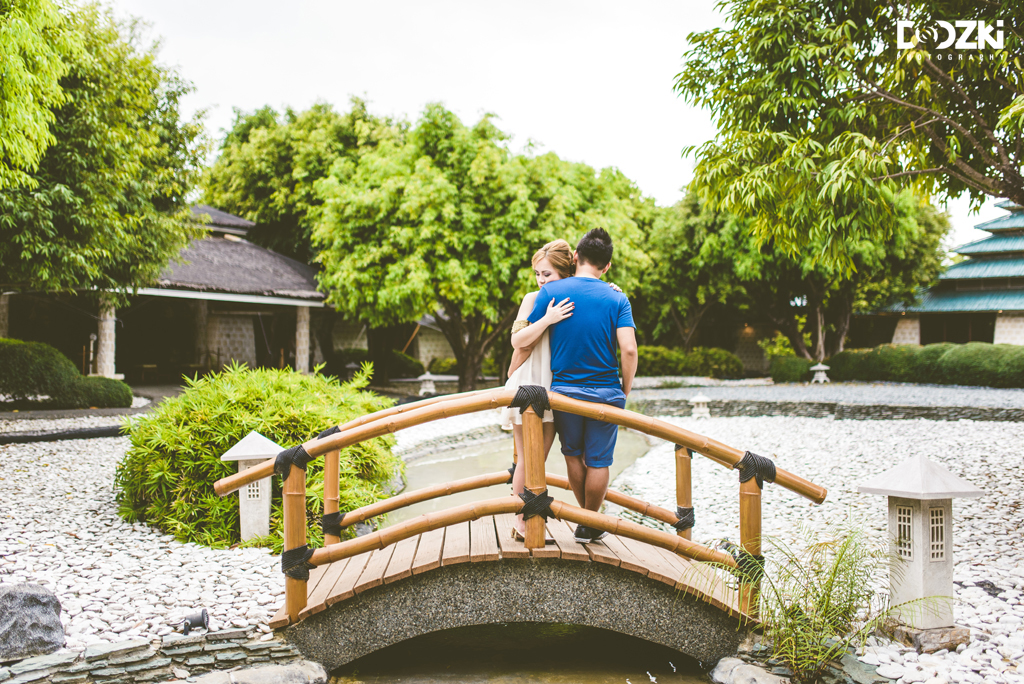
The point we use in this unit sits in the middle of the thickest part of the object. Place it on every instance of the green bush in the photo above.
(974, 363)
(99, 393)
(32, 369)
(891, 362)
(847, 365)
(443, 366)
(653, 361)
(928, 368)
(790, 369)
(404, 366)
(166, 477)
(979, 363)
(717, 363)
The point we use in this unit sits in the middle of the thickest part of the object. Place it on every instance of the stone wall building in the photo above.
(225, 300)
(979, 299)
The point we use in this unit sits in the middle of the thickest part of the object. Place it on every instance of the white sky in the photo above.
(590, 81)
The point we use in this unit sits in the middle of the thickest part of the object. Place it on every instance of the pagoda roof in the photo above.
(994, 244)
(959, 301)
(1009, 205)
(1014, 221)
(1003, 267)
(920, 478)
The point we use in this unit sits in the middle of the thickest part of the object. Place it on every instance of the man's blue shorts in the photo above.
(592, 439)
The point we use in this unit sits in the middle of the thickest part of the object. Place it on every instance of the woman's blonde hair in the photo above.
(559, 253)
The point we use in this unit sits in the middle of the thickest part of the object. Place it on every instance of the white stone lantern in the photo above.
(254, 498)
(427, 384)
(819, 373)
(700, 406)
(921, 496)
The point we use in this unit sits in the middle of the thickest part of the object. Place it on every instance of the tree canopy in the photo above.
(822, 118)
(443, 220)
(34, 46)
(106, 207)
(269, 162)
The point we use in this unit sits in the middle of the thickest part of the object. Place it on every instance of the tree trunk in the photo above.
(843, 312)
(687, 332)
(470, 339)
(816, 322)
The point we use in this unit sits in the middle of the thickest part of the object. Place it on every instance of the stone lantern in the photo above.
(254, 498)
(921, 496)
(427, 384)
(700, 406)
(819, 373)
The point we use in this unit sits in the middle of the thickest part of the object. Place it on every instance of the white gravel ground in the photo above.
(59, 527)
(58, 424)
(988, 544)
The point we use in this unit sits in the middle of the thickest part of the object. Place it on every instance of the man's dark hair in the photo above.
(595, 248)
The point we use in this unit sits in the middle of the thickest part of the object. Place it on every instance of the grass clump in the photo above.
(166, 477)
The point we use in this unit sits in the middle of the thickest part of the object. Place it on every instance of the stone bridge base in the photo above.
(527, 590)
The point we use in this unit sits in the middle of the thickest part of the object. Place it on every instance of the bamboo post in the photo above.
(332, 467)
(684, 492)
(294, 494)
(750, 539)
(533, 460)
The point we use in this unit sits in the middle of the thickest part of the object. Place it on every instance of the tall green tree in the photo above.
(444, 219)
(822, 118)
(269, 162)
(691, 271)
(35, 44)
(107, 207)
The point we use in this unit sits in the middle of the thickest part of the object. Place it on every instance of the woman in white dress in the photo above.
(531, 365)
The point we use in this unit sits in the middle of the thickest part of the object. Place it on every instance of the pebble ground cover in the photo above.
(58, 527)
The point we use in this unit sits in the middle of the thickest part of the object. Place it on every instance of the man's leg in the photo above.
(596, 488)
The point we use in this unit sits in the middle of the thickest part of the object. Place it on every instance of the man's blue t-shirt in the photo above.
(584, 347)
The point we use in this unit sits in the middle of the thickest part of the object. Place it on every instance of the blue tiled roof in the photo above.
(994, 244)
(1008, 204)
(1014, 221)
(1012, 267)
(952, 301)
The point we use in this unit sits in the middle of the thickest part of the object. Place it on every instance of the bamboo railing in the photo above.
(400, 417)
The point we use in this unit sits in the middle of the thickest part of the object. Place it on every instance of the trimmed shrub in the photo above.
(790, 369)
(892, 362)
(659, 361)
(99, 393)
(928, 368)
(443, 366)
(32, 369)
(404, 366)
(978, 363)
(718, 363)
(847, 365)
(166, 477)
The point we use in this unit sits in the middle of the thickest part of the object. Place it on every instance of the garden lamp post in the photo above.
(700, 406)
(921, 494)
(254, 498)
(819, 373)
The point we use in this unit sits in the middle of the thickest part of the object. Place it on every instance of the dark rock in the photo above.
(29, 621)
(302, 672)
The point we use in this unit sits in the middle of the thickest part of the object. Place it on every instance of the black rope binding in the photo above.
(331, 522)
(295, 562)
(749, 567)
(296, 456)
(536, 504)
(328, 432)
(511, 472)
(531, 395)
(689, 452)
(754, 466)
(686, 518)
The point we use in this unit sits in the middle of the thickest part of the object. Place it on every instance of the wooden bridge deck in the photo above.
(489, 539)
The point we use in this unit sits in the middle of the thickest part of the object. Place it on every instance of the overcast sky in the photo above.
(590, 81)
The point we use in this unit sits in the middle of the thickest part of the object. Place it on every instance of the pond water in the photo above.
(520, 653)
(490, 457)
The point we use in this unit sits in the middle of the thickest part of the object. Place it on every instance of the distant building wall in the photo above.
(231, 338)
(908, 330)
(346, 335)
(430, 345)
(1009, 329)
(747, 350)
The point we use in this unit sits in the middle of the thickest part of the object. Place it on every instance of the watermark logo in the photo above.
(959, 35)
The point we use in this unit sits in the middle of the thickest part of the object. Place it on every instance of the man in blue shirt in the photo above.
(584, 365)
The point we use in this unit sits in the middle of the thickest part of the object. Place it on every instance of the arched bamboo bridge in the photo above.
(342, 599)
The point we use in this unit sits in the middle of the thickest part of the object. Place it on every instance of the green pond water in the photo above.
(490, 457)
(521, 653)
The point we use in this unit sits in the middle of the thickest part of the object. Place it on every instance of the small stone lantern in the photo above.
(427, 384)
(921, 496)
(700, 406)
(819, 373)
(254, 498)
